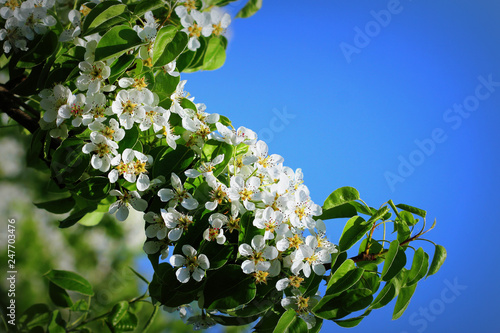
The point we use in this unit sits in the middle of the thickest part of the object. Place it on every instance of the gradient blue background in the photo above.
(353, 120)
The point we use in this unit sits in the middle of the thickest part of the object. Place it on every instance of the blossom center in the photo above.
(295, 281)
(213, 233)
(218, 29)
(102, 149)
(139, 167)
(139, 84)
(302, 303)
(108, 132)
(76, 110)
(192, 263)
(122, 168)
(246, 194)
(301, 211)
(295, 241)
(233, 224)
(12, 4)
(190, 5)
(260, 277)
(84, 10)
(218, 194)
(96, 73)
(128, 107)
(194, 30)
(184, 221)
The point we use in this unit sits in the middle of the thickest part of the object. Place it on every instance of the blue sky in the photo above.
(351, 121)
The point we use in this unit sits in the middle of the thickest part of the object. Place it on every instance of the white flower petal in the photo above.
(177, 260)
(183, 275)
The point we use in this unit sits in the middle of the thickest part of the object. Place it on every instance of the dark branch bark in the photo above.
(13, 106)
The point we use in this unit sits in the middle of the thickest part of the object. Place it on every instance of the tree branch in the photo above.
(12, 105)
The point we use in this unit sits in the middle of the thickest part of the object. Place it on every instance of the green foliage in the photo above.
(290, 323)
(70, 281)
(250, 8)
(216, 213)
(227, 288)
(116, 41)
(169, 44)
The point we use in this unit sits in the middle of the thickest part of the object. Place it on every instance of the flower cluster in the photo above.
(23, 21)
(198, 24)
(118, 115)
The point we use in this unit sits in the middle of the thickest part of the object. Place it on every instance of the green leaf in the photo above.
(130, 139)
(80, 306)
(45, 47)
(59, 206)
(57, 323)
(69, 162)
(103, 16)
(403, 301)
(250, 8)
(413, 210)
(37, 315)
(361, 208)
(317, 327)
(118, 312)
(165, 85)
(187, 104)
(70, 281)
(341, 196)
(95, 188)
(345, 276)
(119, 66)
(266, 297)
(29, 86)
(213, 148)
(329, 308)
(35, 149)
(395, 260)
(357, 299)
(403, 230)
(184, 60)
(345, 281)
(117, 41)
(290, 323)
(386, 295)
(127, 323)
(76, 215)
(355, 228)
(247, 229)
(92, 219)
(408, 218)
(226, 122)
(234, 321)
(437, 260)
(227, 288)
(379, 214)
(268, 322)
(419, 267)
(146, 5)
(169, 45)
(59, 296)
(170, 160)
(344, 210)
(218, 254)
(311, 284)
(166, 289)
(151, 319)
(164, 37)
(352, 322)
(215, 56)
